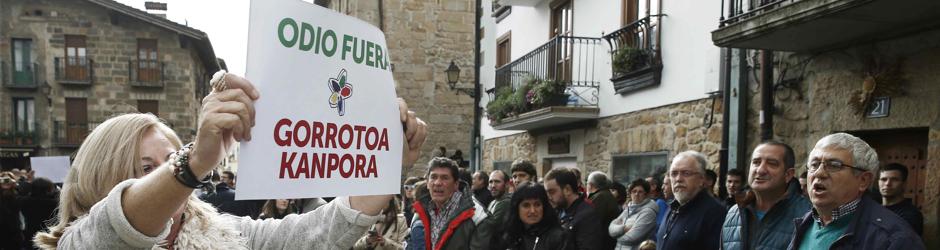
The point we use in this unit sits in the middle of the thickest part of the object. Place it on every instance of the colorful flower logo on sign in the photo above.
(342, 90)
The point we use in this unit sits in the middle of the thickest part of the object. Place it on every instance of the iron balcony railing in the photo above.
(66, 133)
(733, 11)
(146, 73)
(25, 77)
(635, 55)
(567, 60)
(24, 137)
(74, 70)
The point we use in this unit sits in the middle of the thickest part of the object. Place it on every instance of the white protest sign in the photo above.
(53, 167)
(327, 123)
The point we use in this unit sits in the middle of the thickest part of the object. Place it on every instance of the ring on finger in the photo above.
(218, 83)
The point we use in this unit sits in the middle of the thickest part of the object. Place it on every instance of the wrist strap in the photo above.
(183, 172)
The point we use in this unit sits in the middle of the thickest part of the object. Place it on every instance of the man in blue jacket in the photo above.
(767, 221)
(841, 167)
(694, 218)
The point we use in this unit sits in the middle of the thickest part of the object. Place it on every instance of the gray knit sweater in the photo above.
(332, 226)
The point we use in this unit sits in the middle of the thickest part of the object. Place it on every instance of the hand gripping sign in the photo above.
(316, 135)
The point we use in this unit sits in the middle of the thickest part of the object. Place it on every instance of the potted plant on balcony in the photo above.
(499, 107)
(627, 59)
(547, 93)
(6, 137)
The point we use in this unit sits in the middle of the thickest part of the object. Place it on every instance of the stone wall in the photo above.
(111, 42)
(509, 148)
(673, 128)
(423, 37)
(831, 78)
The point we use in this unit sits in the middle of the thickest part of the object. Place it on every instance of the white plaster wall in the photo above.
(691, 61)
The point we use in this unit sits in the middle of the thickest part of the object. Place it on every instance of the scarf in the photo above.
(204, 228)
(440, 218)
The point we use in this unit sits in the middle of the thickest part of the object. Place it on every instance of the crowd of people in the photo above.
(768, 206)
(134, 185)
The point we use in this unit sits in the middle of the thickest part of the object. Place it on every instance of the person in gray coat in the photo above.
(636, 223)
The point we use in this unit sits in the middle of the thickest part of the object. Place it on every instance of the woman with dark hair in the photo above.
(277, 209)
(620, 193)
(39, 206)
(532, 224)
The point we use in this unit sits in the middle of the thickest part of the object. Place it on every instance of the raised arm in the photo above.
(226, 116)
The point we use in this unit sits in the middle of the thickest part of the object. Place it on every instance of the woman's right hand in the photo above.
(225, 117)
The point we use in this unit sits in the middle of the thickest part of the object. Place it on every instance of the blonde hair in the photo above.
(109, 155)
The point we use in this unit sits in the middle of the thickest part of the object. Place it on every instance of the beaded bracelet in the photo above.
(183, 172)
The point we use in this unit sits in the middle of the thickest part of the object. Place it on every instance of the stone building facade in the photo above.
(909, 134)
(660, 132)
(423, 38)
(69, 65)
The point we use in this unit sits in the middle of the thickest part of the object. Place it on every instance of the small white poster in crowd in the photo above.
(55, 168)
(327, 123)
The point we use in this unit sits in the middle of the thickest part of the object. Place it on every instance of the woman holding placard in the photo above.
(131, 183)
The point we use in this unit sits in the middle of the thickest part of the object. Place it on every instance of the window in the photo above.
(628, 11)
(24, 115)
(76, 60)
(149, 106)
(633, 166)
(148, 69)
(76, 120)
(562, 20)
(22, 62)
(503, 46)
(560, 54)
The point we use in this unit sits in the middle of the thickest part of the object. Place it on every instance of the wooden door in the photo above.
(148, 69)
(907, 147)
(76, 61)
(561, 30)
(76, 120)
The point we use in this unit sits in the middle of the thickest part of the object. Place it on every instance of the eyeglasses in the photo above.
(409, 187)
(831, 166)
(683, 173)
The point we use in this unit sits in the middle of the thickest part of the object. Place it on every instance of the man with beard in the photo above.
(694, 219)
(891, 184)
(446, 213)
(583, 226)
(498, 189)
(766, 222)
(841, 167)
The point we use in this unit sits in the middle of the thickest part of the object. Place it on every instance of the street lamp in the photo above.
(453, 76)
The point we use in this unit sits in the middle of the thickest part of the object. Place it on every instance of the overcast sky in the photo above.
(226, 22)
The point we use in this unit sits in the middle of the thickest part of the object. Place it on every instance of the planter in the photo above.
(558, 100)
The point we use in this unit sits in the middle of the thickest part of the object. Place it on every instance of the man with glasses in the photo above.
(766, 222)
(694, 218)
(840, 168)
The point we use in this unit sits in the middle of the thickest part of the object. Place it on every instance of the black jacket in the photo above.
(224, 200)
(695, 225)
(872, 227)
(583, 226)
(907, 211)
(37, 210)
(536, 238)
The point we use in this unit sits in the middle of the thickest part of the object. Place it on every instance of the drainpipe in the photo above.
(725, 119)
(766, 95)
(475, 141)
(381, 15)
